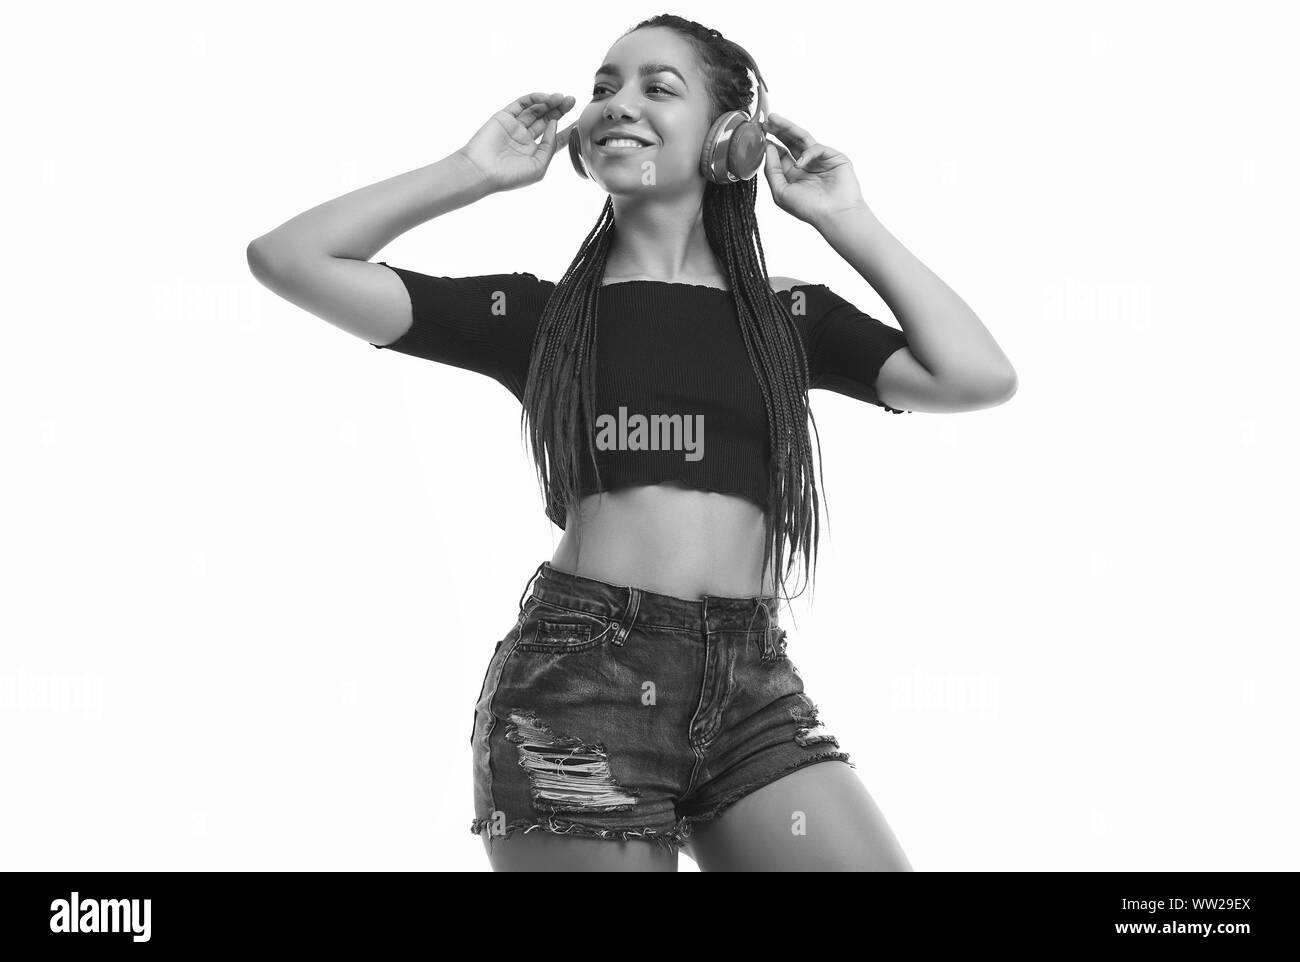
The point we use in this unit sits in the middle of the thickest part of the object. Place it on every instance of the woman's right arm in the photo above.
(320, 259)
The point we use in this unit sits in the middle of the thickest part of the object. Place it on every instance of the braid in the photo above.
(564, 353)
(559, 396)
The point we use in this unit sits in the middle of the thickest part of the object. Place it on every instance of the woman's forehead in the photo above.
(654, 46)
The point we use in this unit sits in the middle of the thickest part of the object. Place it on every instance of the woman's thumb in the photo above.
(775, 175)
(548, 137)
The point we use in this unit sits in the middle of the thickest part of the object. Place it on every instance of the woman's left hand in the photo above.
(813, 182)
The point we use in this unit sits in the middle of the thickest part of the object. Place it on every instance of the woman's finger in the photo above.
(791, 134)
(523, 119)
(537, 122)
(775, 167)
(535, 116)
(810, 155)
(784, 156)
(547, 147)
(516, 107)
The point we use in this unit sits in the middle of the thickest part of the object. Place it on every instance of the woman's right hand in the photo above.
(505, 148)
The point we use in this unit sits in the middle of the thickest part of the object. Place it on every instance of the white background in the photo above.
(254, 568)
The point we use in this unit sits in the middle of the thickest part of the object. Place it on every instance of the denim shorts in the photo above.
(609, 711)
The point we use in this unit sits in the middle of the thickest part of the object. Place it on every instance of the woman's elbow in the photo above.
(268, 259)
(1008, 385)
(986, 391)
(1001, 389)
(259, 258)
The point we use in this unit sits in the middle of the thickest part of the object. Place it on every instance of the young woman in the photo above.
(643, 702)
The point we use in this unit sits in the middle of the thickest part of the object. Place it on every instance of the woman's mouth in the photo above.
(621, 145)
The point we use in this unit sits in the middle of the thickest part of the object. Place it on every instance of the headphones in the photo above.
(735, 147)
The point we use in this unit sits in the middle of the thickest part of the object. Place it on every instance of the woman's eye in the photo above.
(599, 87)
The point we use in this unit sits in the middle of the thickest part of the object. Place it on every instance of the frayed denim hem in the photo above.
(672, 840)
(731, 798)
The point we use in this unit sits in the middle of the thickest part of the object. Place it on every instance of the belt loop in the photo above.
(629, 615)
(529, 585)
(769, 649)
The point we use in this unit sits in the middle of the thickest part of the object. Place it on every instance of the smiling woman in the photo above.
(644, 702)
(734, 147)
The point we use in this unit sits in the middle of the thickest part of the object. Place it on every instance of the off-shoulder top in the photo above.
(677, 399)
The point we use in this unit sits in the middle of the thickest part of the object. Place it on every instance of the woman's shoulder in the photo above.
(782, 284)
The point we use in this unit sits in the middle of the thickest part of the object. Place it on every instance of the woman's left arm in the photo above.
(952, 362)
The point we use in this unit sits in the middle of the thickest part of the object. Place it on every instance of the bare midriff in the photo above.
(669, 539)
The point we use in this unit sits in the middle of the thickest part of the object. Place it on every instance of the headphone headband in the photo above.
(736, 146)
(758, 105)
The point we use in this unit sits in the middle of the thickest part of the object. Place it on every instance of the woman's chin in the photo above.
(633, 179)
(623, 182)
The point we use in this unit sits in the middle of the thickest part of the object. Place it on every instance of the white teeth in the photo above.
(622, 142)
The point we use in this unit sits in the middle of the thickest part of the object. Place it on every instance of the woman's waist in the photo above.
(553, 593)
(668, 538)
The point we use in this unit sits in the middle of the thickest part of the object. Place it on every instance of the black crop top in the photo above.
(676, 396)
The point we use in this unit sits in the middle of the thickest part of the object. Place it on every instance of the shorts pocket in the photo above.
(560, 631)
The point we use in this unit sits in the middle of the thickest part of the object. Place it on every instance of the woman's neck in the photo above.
(663, 240)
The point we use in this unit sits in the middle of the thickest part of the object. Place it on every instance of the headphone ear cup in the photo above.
(747, 151)
(575, 154)
(713, 164)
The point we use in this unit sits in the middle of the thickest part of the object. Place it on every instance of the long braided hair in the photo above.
(559, 396)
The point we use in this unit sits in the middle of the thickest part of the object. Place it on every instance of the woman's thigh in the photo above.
(817, 818)
(548, 852)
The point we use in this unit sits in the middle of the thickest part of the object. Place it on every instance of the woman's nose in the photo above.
(614, 111)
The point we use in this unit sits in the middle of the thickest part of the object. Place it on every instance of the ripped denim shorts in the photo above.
(610, 711)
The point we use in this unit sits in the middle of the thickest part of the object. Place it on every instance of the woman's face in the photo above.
(668, 107)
